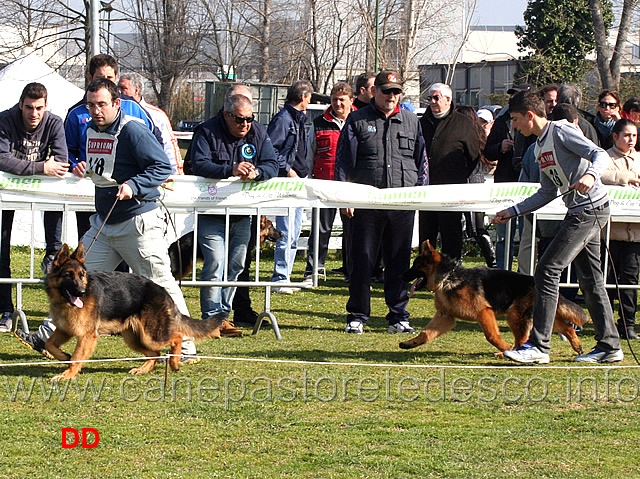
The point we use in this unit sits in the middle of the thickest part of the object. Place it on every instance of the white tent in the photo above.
(31, 68)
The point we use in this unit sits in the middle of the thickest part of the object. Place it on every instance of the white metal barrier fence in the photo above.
(188, 195)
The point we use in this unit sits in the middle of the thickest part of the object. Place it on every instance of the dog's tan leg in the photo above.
(176, 350)
(84, 348)
(440, 324)
(57, 339)
(570, 333)
(520, 326)
(134, 342)
(489, 325)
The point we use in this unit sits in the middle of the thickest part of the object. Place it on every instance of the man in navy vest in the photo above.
(381, 145)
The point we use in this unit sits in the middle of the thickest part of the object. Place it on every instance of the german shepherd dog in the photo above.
(89, 304)
(181, 251)
(482, 294)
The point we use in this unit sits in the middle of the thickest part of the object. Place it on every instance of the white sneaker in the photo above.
(286, 290)
(596, 355)
(527, 353)
(6, 322)
(401, 327)
(308, 281)
(354, 327)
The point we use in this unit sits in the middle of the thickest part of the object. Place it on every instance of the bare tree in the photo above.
(609, 63)
(169, 34)
(50, 25)
(226, 42)
(331, 32)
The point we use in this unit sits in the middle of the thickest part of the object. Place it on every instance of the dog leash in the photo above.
(102, 226)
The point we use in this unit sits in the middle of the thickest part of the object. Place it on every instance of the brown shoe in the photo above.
(229, 329)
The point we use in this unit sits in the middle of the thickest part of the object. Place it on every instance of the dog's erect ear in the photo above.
(61, 257)
(425, 247)
(78, 254)
(430, 251)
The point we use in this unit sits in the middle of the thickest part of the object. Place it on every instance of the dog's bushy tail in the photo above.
(202, 329)
(570, 312)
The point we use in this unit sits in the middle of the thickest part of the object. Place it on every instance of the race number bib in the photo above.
(545, 152)
(101, 158)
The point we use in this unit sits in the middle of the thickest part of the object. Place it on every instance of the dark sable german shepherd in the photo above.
(181, 251)
(87, 305)
(482, 294)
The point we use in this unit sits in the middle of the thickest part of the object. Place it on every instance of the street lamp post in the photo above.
(377, 35)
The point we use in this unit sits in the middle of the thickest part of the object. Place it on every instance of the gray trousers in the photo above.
(577, 241)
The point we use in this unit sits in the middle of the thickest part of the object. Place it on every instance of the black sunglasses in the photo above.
(241, 119)
(604, 104)
(434, 98)
(388, 91)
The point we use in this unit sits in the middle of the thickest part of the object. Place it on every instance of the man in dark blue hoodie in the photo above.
(31, 143)
(289, 137)
(127, 165)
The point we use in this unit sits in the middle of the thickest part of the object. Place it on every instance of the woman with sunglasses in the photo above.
(608, 113)
(624, 170)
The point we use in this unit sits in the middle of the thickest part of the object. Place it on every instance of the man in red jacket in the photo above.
(321, 156)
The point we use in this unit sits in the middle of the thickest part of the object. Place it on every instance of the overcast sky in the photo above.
(500, 12)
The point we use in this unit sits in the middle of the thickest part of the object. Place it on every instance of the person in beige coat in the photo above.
(624, 169)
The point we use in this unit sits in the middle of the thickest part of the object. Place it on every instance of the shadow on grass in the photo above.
(376, 356)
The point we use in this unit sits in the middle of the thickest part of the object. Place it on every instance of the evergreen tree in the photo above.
(559, 35)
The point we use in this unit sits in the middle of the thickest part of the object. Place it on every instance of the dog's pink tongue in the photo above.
(77, 302)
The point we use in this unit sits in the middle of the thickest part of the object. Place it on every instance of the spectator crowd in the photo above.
(365, 135)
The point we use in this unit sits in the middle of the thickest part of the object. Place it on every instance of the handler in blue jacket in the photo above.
(125, 161)
(229, 144)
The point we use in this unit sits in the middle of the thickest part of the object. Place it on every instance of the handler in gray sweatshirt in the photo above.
(572, 164)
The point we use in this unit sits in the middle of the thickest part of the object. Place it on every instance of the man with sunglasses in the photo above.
(453, 149)
(231, 144)
(381, 145)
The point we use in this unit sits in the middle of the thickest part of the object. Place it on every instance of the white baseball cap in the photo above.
(485, 115)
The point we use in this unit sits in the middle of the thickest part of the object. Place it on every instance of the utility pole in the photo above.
(95, 27)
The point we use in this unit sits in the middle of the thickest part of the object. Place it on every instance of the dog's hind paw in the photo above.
(65, 376)
(499, 354)
(408, 344)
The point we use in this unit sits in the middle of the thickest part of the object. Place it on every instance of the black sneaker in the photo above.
(6, 322)
(245, 319)
(32, 341)
(46, 264)
(628, 332)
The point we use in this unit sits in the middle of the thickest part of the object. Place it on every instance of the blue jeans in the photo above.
(211, 238)
(578, 240)
(285, 253)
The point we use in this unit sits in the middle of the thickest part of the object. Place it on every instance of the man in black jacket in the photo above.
(453, 149)
(32, 142)
(382, 146)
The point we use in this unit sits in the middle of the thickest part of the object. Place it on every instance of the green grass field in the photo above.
(447, 410)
